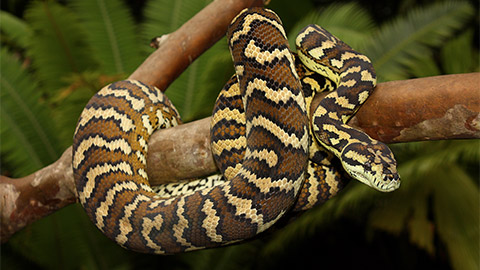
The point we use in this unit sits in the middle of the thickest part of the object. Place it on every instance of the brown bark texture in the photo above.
(444, 107)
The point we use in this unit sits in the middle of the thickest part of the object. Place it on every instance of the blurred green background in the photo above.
(56, 54)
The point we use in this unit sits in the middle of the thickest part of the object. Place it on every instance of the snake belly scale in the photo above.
(110, 146)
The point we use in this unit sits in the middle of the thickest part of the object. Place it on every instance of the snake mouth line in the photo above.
(387, 187)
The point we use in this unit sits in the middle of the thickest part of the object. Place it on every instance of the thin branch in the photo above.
(180, 48)
(444, 107)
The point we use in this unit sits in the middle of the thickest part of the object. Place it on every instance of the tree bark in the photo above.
(444, 107)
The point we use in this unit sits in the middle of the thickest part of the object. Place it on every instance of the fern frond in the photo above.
(456, 211)
(14, 30)
(349, 22)
(164, 16)
(73, 243)
(407, 40)
(459, 55)
(193, 93)
(430, 156)
(111, 33)
(407, 210)
(425, 68)
(58, 46)
(28, 139)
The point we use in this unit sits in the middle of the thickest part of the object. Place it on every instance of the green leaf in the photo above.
(218, 68)
(349, 22)
(58, 46)
(456, 211)
(432, 174)
(67, 239)
(164, 16)
(418, 159)
(408, 40)
(111, 32)
(14, 30)
(420, 227)
(28, 135)
(459, 56)
(426, 68)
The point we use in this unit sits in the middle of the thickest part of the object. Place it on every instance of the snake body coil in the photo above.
(110, 146)
(260, 139)
(363, 158)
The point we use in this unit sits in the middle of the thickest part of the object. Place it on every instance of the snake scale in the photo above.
(261, 139)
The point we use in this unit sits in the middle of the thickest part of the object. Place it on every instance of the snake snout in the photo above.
(391, 181)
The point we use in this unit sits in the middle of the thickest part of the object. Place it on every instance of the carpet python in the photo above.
(260, 138)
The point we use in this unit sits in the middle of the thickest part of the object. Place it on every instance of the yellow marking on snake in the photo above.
(247, 26)
(229, 115)
(98, 170)
(100, 113)
(276, 95)
(253, 51)
(270, 157)
(211, 221)
(228, 145)
(102, 210)
(125, 226)
(287, 139)
(137, 104)
(148, 226)
(97, 141)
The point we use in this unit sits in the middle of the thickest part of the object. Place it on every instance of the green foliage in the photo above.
(28, 139)
(458, 56)
(110, 27)
(408, 40)
(57, 47)
(77, 243)
(14, 31)
(438, 198)
(57, 56)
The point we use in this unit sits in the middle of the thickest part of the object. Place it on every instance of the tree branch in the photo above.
(180, 48)
(444, 107)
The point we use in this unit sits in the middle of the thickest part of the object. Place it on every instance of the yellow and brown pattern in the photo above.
(260, 139)
(362, 157)
(110, 146)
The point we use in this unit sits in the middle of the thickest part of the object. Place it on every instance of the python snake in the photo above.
(264, 177)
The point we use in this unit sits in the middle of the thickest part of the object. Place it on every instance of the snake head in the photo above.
(372, 164)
